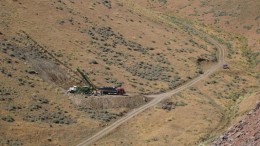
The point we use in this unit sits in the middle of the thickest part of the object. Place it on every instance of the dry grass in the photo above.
(133, 44)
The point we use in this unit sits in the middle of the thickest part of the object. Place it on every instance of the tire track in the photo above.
(159, 97)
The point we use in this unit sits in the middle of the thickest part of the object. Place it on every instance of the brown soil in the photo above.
(138, 43)
(109, 101)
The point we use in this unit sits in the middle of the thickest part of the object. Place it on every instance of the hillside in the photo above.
(146, 46)
(235, 17)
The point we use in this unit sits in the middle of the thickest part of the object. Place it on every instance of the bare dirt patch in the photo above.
(109, 101)
(107, 108)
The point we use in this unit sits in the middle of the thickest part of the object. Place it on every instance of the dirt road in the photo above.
(160, 97)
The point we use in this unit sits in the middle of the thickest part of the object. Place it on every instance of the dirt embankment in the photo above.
(110, 101)
(244, 133)
(107, 108)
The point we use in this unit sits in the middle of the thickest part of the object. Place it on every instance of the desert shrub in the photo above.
(150, 71)
(153, 139)
(252, 57)
(93, 62)
(5, 98)
(258, 31)
(221, 13)
(107, 3)
(7, 119)
(199, 71)
(163, 1)
(40, 99)
(34, 106)
(109, 38)
(6, 93)
(180, 103)
(234, 96)
(13, 107)
(193, 89)
(248, 27)
(61, 22)
(56, 117)
(101, 115)
(11, 142)
(175, 82)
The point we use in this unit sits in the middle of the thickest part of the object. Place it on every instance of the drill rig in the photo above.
(89, 88)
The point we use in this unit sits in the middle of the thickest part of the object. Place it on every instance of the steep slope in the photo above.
(246, 132)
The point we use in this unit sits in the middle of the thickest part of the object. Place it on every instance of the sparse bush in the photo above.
(6, 93)
(13, 108)
(150, 71)
(11, 142)
(5, 98)
(193, 89)
(93, 62)
(180, 103)
(61, 22)
(34, 106)
(258, 31)
(107, 3)
(152, 139)
(8, 119)
(41, 100)
(248, 27)
(199, 71)
(101, 115)
(57, 117)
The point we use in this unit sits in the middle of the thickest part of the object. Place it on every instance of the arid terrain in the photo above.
(153, 48)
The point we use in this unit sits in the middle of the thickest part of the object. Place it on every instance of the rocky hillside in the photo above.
(245, 132)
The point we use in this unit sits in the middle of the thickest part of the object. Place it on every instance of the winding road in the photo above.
(160, 97)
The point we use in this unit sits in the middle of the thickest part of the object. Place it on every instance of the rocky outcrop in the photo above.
(244, 133)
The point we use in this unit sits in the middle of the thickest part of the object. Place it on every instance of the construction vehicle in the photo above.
(80, 90)
(120, 90)
(90, 88)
